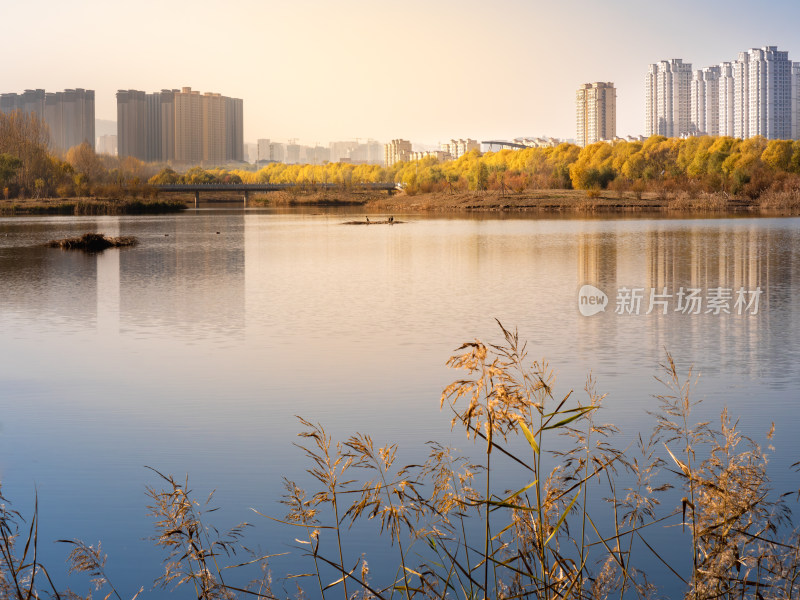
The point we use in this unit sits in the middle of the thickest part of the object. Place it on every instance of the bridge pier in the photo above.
(245, 197)
(196, 198)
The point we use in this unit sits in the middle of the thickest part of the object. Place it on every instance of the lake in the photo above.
(194, 351)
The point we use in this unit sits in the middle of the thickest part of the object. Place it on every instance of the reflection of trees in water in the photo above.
(49, 283)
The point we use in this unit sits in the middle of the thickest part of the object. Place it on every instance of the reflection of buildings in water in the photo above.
(732, 258)
(599, 256)
(597, 260)
(108, 285)
(166, 281)
(664, 267)
(700, 257)
(186, 277)
(695, 258)
(705, 259)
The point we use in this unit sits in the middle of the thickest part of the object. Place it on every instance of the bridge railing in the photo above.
(265, 187)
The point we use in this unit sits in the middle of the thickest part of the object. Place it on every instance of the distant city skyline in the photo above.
(318, 71)
(755, 94)
(69, 115)
(183, 126)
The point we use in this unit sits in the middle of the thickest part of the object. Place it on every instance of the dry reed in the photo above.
(780, 199)
(698, 202)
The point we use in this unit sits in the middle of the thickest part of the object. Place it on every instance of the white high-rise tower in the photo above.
(726, 99)
(667, 90)
(704, 104)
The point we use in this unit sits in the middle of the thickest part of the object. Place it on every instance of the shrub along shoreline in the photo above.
(90, 206)
(579, 201)
(542, 201)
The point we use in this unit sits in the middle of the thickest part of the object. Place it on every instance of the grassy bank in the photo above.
(300, 197)
(583, 201)
(89, 206)
(554, 200)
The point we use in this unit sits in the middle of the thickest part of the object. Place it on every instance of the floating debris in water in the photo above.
(92, 242)
(366, 221)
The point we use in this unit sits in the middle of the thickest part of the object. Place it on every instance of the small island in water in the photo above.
(92, 242)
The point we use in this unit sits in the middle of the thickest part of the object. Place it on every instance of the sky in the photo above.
(427, 71)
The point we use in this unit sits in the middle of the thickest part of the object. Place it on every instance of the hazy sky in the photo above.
(421, 70)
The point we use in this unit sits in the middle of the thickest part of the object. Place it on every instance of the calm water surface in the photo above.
(193, 352)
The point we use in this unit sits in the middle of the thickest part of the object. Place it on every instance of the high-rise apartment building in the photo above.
(69, 115)
(106, 144)
(667, 92)
(370, 152)
(77, 119)
(153, 132)
(30, 101)
(292, 153)
(341, 150)
(596, 105)
(355, 151)
(188, 126)
(704, 102)
(251, 153)
(180, 126)
(131, 123)
(741, 96)
(234, 129)
(315, 155)
(277, 152)
(396, 151)
(726, 98)
(769, 93)
(214, 130)
(757, 94)
(262, 150)
(796, 101)
(167, 103)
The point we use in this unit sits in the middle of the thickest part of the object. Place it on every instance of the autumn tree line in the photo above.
(693, 165)
(29, 169)
(665, 165)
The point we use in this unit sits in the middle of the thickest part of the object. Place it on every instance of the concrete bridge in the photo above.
(246, 188)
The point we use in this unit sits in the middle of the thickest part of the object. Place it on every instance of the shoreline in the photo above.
(565, 201)
(545, 201)
(532, 201)
(89, 206)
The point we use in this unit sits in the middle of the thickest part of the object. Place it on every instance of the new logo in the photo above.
(591, 300)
